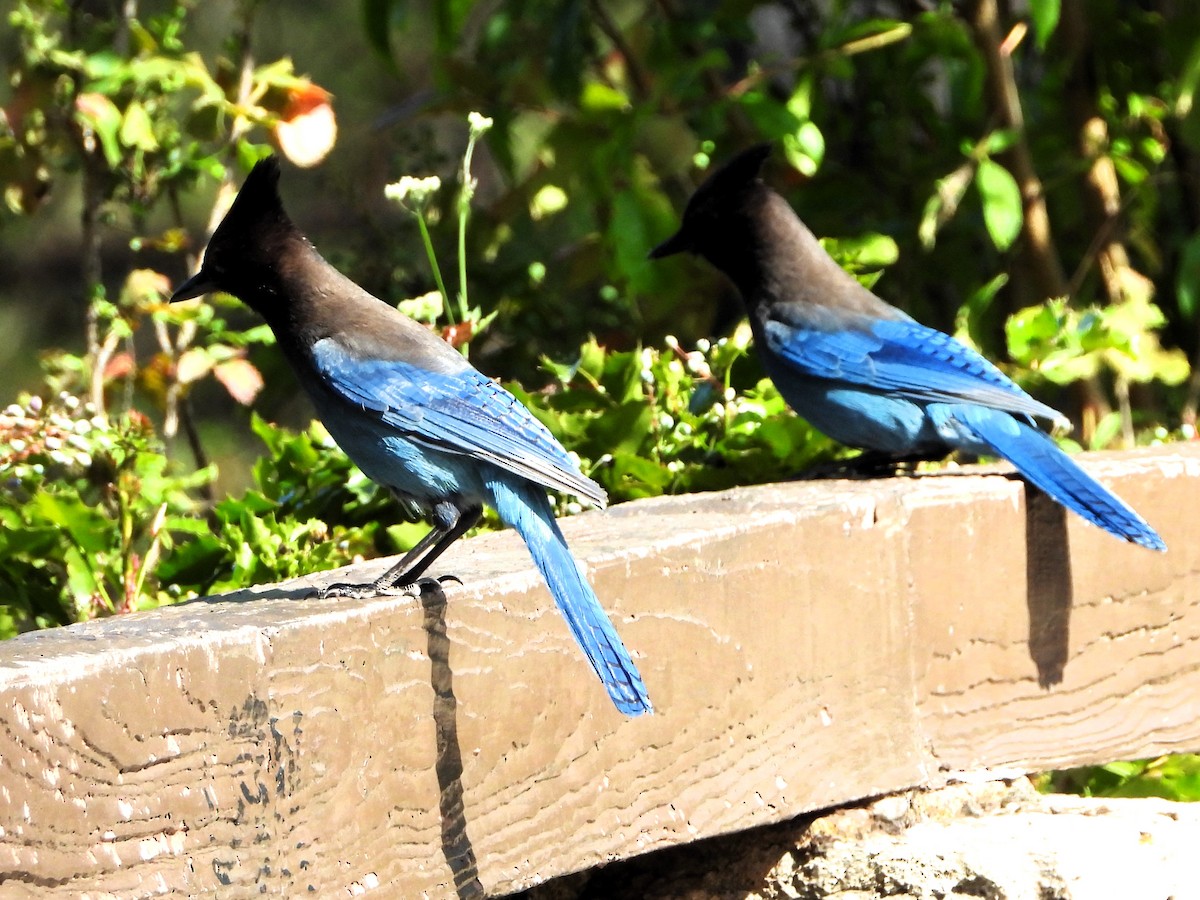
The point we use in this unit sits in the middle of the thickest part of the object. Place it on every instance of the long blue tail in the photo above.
(1043, 464)
(526, 508)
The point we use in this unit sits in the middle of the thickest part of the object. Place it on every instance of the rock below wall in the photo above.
(993, 840)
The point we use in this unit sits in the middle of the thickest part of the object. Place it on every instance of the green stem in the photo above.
(464, 210)
(462, 263)
(433, 264)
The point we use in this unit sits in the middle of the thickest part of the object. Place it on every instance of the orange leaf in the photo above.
(307, 129)
(240, 378)
(193, 365)
(120, 365)
(144, 286)
(457, 335)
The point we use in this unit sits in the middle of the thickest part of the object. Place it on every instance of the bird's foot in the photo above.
(382, 589)
(354, 591)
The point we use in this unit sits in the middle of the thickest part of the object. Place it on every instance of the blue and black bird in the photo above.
(413, 414)
(861, 370)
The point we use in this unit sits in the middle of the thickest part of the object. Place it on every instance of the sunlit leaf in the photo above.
(307, 129)
(1045, 15)
(805, 149)
(240, 378)
(137, 130)
(1002, 207)
(599, 97)
(145, 286)
(87, 528)
(193, 365)
(549, 199)
(1000, 140)
(942, 206)
(967, 320)
(864, 251)
(101, 116)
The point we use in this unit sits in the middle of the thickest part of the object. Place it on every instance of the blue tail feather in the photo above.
(526, 508)
(1041, 462)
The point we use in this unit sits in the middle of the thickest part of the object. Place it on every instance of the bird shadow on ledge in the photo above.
(456, 844)
(245, 595)
(1049, 588)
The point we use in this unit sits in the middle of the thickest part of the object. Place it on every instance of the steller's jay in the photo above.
(412, 413)
(859, 369)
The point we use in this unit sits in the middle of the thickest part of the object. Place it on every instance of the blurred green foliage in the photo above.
(1171, 777)
(648, 422)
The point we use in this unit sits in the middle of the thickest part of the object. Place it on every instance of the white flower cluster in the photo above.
(412, 192)
(67, 432)
(479, 123)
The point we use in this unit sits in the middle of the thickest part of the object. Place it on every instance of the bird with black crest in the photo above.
(864, 372)
(412, 413)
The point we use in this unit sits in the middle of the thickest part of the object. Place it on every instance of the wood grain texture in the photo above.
(805, 645)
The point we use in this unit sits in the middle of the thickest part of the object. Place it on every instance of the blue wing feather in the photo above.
(900, 357)
(460, 412)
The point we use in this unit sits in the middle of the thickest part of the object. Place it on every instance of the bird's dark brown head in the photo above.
(246, 250)
(717, 207)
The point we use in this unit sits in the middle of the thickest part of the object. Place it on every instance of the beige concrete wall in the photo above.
(804, 644)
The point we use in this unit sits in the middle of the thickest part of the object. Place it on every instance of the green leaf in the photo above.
(1002, 207)
(81, 581)
(805, 148)
(137, 130)
(1000, 140)
(1187, 283)
(628, 235)
(967, 320)
(405, 535)
(864, 251)
(1045, 15)
(86, 527)
(100, 116)
(1029, 329)
(1108, 430)
(597, 97)
(941, 207)
(378, 18)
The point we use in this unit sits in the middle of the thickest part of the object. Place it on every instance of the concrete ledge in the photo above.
(805, 645)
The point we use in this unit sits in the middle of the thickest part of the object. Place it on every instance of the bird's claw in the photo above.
(350, 591)
(375, 589)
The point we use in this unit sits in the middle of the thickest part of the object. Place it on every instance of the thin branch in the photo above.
(1039, 246)
(1002, 86)
(93, 269)
(895, 34)
(613, 33)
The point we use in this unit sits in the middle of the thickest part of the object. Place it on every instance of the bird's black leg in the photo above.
(449, 524)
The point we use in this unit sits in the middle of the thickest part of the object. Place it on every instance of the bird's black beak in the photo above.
(199, 284)
(676, 243)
